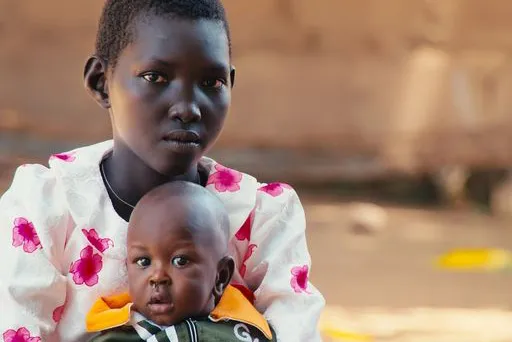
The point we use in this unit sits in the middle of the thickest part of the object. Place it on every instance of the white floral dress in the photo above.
(62, 246)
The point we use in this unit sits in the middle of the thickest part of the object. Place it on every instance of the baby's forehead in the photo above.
(180, 213)
(182, 205)
(173, 228)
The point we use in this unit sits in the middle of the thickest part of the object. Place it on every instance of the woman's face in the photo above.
(170, 91)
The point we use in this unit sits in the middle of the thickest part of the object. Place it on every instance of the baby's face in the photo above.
(172, 266)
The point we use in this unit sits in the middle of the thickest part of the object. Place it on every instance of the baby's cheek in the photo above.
(190, 284)
(132, 276)
(193, 274)
(194, 286)
(137, 283)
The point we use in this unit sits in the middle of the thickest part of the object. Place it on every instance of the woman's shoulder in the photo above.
(278, 193)
(238, 186)
(29, 178)
(82, 158)
(38, 182)
(34, 199)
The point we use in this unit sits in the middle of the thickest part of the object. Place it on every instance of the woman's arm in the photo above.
(33, 229)
(280, 265)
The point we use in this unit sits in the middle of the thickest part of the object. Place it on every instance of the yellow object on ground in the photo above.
(335, 328)
(340, 335)
(475, 259)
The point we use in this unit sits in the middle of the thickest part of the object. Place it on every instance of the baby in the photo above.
(178, 273)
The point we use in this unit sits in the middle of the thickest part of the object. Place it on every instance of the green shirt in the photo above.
(191, 330)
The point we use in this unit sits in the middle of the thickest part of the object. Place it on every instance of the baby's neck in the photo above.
(137, 317)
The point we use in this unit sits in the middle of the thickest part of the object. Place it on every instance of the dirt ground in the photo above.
(384, 286)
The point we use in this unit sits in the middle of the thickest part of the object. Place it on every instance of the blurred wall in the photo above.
(356, 87)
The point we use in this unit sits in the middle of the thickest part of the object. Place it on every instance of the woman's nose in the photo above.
(186, 112)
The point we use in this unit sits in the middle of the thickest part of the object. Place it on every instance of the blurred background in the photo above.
(391, 117)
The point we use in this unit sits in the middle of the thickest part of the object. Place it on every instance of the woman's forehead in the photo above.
(170, 39)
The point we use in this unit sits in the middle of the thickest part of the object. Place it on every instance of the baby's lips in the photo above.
(160, 297)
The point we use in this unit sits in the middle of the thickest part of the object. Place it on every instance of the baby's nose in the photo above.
(159, 282)
(160, 278)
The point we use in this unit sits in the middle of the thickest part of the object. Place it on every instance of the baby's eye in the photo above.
(153, 77)
(180, 261)
(143, 262)
(214, 83)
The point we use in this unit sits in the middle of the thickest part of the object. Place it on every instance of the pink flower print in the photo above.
(274, 189)
(25, 234)
(21, 335)
(225, 179)
(299, 280)
(86, 269)
(101, 244)
(244, 233)
(57, 313)
(248, 254)
(67, 157)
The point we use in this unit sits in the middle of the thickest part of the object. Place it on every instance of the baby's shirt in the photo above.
(114, 321)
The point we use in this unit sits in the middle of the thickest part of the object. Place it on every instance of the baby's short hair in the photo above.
(115, 30)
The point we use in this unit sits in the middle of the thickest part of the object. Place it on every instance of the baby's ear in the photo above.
(225, 270)
(95, 80)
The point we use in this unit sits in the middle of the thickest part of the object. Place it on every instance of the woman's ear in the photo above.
(225, 270)
(95, 81)
(232, 76)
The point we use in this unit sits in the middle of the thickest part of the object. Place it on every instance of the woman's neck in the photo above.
(129, 179)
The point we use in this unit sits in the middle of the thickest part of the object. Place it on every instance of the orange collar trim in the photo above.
(114, 311)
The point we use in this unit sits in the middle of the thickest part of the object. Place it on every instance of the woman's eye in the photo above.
(214, 83)
(143, 262)
(153, 77)
(180, 261)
